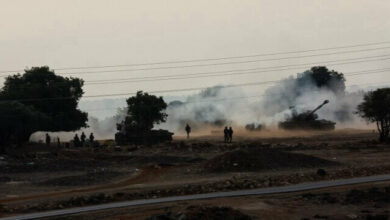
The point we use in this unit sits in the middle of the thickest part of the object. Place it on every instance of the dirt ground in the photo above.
(43, 178)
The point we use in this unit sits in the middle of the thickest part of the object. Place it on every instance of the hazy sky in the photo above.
(70, 33)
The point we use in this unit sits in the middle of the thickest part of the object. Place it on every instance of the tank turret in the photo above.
(307, 120)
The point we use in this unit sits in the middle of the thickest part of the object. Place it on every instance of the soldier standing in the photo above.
(188, 130)
(76, 141)
(82, 139)
(91, 138)
(48, 139)
(230, 132)
(226, 134)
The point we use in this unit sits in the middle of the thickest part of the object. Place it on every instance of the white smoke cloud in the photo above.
(215, 106)
(222, 106)
(101, 129)
(230, 106)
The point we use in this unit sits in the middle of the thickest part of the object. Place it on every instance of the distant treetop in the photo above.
(322, 77)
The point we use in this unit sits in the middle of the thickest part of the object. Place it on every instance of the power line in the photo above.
(220, 75)
(223, 99)
(199, 88)
(215, 59)
(157, 91)
(232, 72)
(232, 57)
(200, 76)
(134, 93)
(188, 66)
(235, 72)
(298, 66)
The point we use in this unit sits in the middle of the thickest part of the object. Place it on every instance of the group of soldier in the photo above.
(77, 142)
(80, 142)
(228, 133)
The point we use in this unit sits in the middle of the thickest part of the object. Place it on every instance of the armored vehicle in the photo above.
(307, 120)
(254, 127)
(131, 134)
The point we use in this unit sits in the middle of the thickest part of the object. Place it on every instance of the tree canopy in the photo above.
(323, 78)
(145, 110)
(376, 108)
(18, 122)
(47, 101)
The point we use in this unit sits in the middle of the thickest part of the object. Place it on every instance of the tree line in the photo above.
(40, 100)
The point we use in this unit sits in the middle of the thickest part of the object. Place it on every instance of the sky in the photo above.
(75, 33)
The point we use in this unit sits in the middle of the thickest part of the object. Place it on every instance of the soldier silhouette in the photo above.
(230, 132)
(226, 134)
(82, 139)
(48, 139)
(91, 138)
(76, 141)
(188, 130)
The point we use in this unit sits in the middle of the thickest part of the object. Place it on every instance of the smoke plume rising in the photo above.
(227, 106)
(219, 106)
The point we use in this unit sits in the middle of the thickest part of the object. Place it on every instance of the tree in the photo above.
(42, 92)
(375, 108)
(323, 78)
(18, 122)
(145, 110)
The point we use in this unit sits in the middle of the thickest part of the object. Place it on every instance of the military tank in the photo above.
(131, 134)
(254, 127)
(307, 120)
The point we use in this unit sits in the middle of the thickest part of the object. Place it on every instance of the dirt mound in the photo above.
(262, 159)
(149, 159)
(82, 180)
(51, 165)
(84, 154)
(372, 195)
(205, 213)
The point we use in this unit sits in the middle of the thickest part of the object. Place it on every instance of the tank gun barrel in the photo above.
(318, 107)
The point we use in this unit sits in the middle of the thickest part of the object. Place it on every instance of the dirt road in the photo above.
(143, 175)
